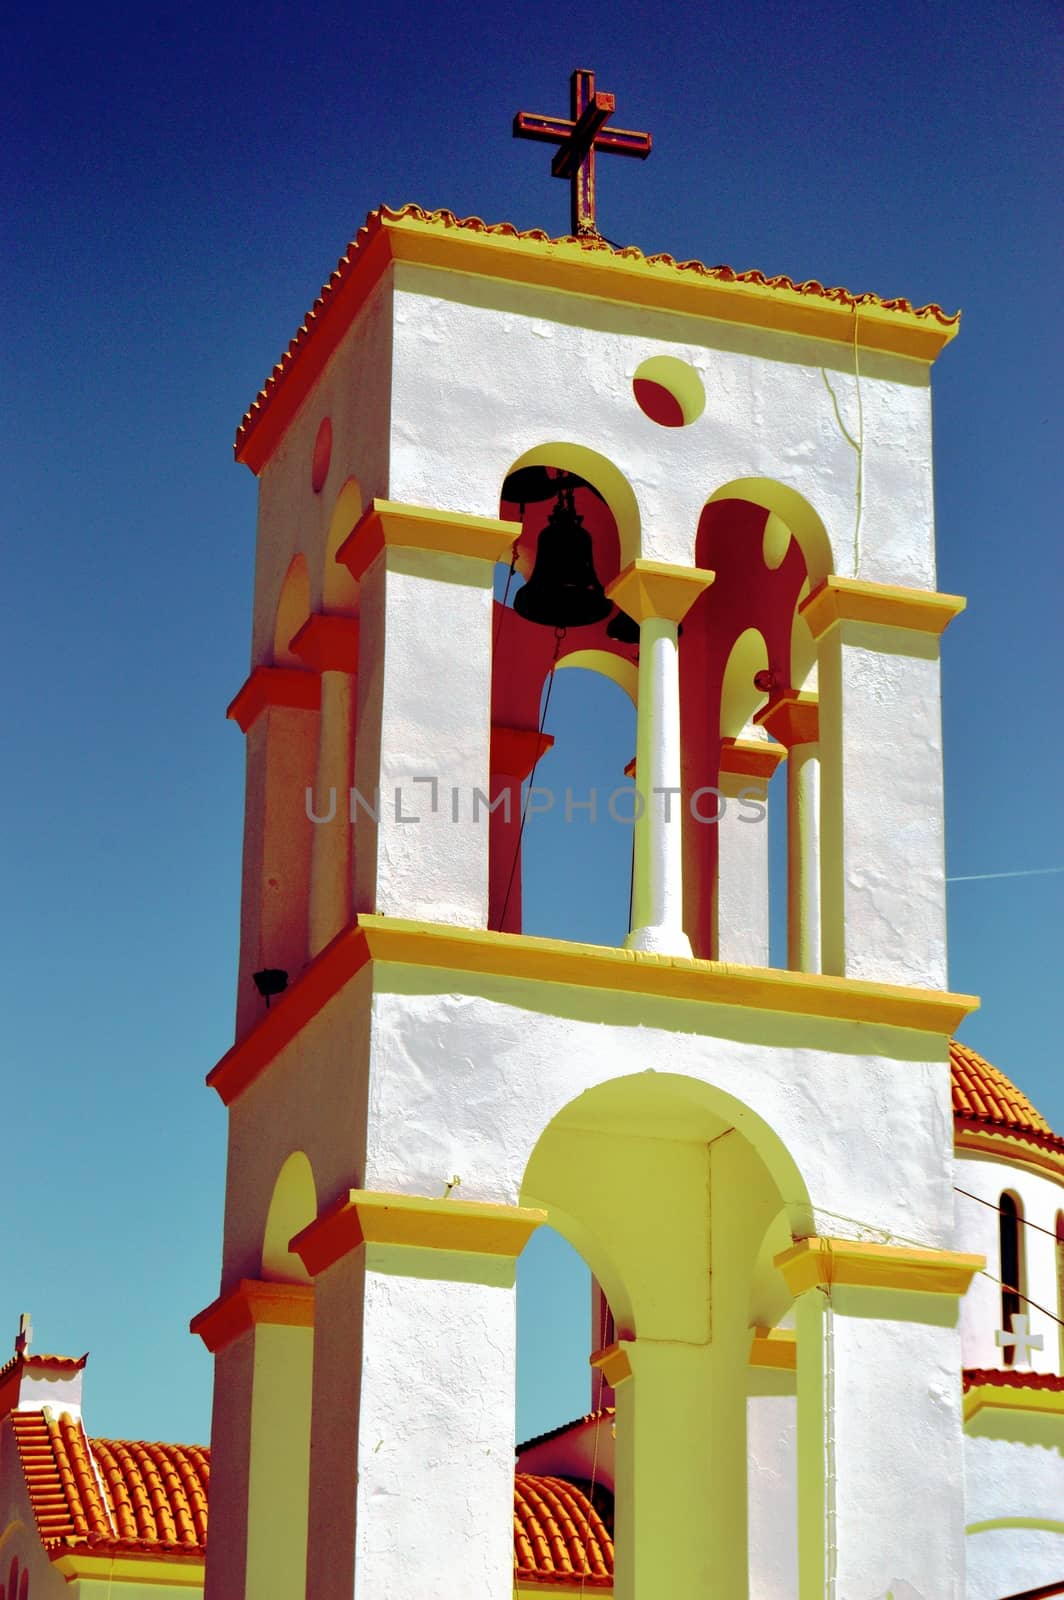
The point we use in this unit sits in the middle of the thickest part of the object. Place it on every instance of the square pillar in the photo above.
(794, 720)
(880, 1434)
(329, 645)
(741, 898)
(261, 1336)
(883, 865)
(422, 764)
(412, 1476)
(278, 709)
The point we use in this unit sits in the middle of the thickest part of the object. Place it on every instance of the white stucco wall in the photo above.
(1041, 1196)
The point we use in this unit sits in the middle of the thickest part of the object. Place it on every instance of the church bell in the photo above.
(563, 590)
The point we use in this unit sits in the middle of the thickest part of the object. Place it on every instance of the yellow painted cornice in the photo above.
(387, 524)
(589, 268)
(363, 1217)
(774, 1347)
(852, 600)
(520, 957)
(172, 1571)
(792, 718)
(1004, 1145)
(284, 1305)
(658, 589)
(1014, 1395)
(613, 1363)
(751, 758)
(822, 1263)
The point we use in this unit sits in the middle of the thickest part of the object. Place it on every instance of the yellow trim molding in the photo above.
(175, 1570)
(387, 523)
(613, 1363)
(589, 966)
(774, 1347)
(822, 1263)
(1003, 1146)
(282, 1305)
(1012, 1397)
(364, 1217)
(658, 589)
(853, 600)
(751, 758)
(792, 719)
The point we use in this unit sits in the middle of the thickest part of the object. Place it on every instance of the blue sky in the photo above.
(180, 181)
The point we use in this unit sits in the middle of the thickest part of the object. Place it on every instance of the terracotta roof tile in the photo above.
(112, 1493)
(984, 1097)
(1010, 1378)
(559, 1534)
(376, 221)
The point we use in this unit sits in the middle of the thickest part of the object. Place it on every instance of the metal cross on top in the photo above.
(578, 138)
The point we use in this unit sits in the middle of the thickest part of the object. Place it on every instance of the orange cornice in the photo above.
(751, 758)
(613, 1362)
(284, 1305)
(889, 605)
(274, 686)
(362, 1216)
(792, 719)
(646, 589)
(1022, 1145)
(588, 267)
(328, 643)
(522, 958)
(515, 751)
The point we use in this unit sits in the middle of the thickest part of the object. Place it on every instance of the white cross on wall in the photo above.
(1021, 1338)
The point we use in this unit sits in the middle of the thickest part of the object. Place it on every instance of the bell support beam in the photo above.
(794, 720)
(658, 595)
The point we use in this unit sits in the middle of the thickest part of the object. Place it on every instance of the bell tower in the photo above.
(485, 453)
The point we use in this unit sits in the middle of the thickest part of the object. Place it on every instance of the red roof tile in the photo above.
(1009, 1378)
(566, 1427)
(558, 1534)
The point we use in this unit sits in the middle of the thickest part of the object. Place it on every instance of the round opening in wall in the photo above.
(669, 391)
(319, 466)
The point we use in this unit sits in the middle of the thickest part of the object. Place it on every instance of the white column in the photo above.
(412, 1431)
(793, 720)
(741, 896)
(329, 644)
(880, 1434)
(422, 765)
(883, 874)
(261, 1337)
(658, 596)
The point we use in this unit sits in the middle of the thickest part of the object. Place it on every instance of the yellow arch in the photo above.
(622, 672)
(792, 509)
(339, 589)
(293, 1206)
(293, 609)
(610, 482)
(739, 698)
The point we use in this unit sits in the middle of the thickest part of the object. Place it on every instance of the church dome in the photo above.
(984, 1100)
(559, 1534)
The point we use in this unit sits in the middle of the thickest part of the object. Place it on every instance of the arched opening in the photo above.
(561, 739)
(1013, 1286)
(293, 609)
(293, 1206)
(677, 1214)
(339, 589)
